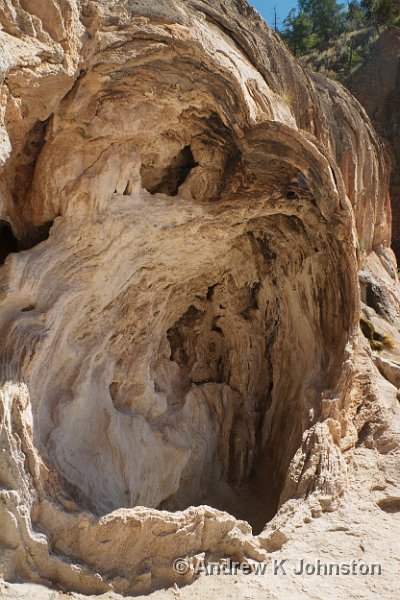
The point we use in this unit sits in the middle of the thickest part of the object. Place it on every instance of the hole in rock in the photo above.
(28, 308)
(390, 505)
(220, 356)
(8, 241)
(10, 244)
(363, 435)
(211, 406)
(233, 473)
(36, 236)
(27, 159)
(168, 181)
(128, 189)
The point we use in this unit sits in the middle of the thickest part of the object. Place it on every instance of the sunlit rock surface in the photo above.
(185, 212)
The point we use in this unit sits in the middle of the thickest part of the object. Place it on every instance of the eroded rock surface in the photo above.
(381, 74)
(182, 209)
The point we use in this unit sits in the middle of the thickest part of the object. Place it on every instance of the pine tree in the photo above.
(382, 12)
(296, 32)
(327, 17)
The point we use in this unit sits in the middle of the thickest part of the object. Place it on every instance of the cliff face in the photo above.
(184, 214)
(377, 86)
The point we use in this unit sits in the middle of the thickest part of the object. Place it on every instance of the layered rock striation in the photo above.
(183, 207)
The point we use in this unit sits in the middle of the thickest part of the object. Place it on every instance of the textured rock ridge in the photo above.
(184, 214)
(382, 74)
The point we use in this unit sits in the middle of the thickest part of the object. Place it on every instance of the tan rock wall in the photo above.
(182, 206)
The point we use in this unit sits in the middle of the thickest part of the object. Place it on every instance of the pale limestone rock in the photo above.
(182, 214)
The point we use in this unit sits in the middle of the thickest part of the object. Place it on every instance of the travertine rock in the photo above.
(182, 209)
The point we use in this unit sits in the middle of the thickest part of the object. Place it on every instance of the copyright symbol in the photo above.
(181, 566)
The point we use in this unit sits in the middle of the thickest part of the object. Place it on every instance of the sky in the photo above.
(266, 9)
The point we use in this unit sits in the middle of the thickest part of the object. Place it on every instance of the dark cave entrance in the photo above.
(251, 359)
(243, 473)
(10, 244)
(168, 180)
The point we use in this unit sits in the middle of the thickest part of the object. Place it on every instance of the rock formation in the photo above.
(381, 75)
(185, 211)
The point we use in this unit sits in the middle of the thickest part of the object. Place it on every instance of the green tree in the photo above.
(355, 16)
(297, 29)
(382, 12)
(327, 17)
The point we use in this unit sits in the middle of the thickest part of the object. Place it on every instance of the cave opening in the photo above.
(168, 180)
(243, 477)
(38, 234)
(235, 374)
(8, 242)
(221, 357)
(247, 359)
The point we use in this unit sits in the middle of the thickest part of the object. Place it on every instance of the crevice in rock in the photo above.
(26, 161)
(36, 236)
(10, 244)
(128, 189)
(29, 308)
(221, 374)
(364, 434)
(390, 505)
(168, 181)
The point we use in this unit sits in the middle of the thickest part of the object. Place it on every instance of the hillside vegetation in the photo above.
(336, 39)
